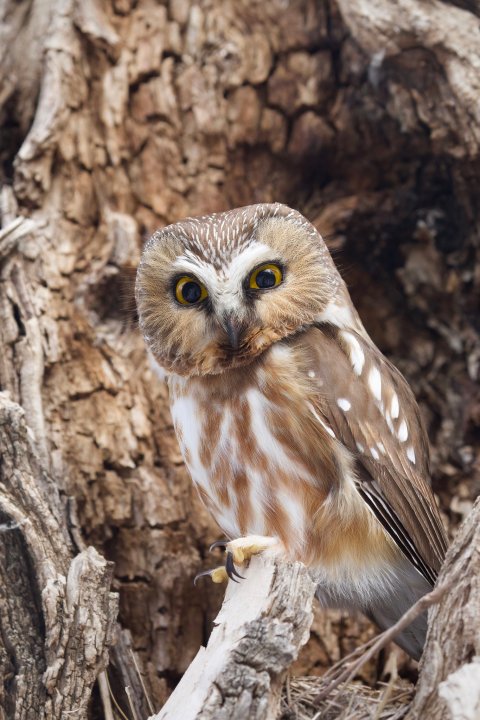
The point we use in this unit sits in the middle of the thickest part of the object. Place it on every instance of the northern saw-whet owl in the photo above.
(298, 433)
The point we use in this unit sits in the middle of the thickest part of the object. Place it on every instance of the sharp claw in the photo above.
(230, 568)
(202, 574)
(218, 543)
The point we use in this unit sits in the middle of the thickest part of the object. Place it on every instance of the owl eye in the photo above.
(189, 291)
(266, 276)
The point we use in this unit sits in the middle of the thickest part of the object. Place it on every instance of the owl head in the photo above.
(215, 292)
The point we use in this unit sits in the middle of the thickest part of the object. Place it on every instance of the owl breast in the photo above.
(265, 464)
(248, 478)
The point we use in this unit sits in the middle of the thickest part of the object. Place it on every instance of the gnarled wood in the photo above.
(119, 117)
(57, 613)
(264, 621)
(449, 683)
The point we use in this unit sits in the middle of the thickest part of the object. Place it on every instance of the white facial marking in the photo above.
(374, 453)
(344, 404)
(360, 447)
(395, 408)
(402, 431)
(411, 454)
(357, 358)
(375, 383)
(245, 261)
(225, 287)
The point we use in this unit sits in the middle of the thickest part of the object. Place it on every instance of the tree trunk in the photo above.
(120, 116)
(449, 683)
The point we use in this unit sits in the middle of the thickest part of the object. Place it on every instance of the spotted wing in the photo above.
(372, 411)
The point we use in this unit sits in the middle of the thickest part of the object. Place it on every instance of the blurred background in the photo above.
(121, 116)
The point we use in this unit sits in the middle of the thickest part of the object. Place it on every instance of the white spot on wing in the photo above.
(381, 447)
(311, 374)
(357, 358)
(344, 404)
(395, 406)
(402, 431)
(375, 383)
(319, 419)
(411, 454)
(338, 315)
(360, 447)
(388, 418)
(374, 453)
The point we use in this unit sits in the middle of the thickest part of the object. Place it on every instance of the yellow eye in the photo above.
(188, 291)
(265, 277)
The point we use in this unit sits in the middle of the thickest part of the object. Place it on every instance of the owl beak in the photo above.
(234, 329)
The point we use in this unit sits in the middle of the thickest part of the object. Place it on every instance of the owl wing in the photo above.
(371, 409)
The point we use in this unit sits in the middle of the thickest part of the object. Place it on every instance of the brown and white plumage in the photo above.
(292, 423)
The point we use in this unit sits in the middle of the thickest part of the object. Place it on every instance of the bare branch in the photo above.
(263, 623)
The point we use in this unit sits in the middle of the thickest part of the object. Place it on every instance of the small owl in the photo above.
(298, 433)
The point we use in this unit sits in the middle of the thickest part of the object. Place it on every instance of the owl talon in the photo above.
(218, 544)
(217, 575)
(231, 569)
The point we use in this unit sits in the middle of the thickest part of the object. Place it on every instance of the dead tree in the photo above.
(120, 116)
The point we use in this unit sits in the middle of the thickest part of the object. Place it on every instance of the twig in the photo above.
(140, 677)
(119, 709)
(128, 693)
(104, 688)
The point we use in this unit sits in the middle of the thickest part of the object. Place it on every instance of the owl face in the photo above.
(215, 292)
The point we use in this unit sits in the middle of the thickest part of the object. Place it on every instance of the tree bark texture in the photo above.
(57, 615)
(449, 683)
(120, 116)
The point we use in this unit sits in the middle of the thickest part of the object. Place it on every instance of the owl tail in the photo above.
(407, 587)
(386, 602)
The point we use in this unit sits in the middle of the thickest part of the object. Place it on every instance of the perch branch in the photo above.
(263, 623)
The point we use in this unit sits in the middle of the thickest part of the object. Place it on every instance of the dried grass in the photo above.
(352, 701)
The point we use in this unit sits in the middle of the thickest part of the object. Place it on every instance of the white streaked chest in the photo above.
(241, 469)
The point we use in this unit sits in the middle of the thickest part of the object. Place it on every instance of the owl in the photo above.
(299, 435)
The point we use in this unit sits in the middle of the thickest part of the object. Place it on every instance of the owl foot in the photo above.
(218, 575)
(222, 573)
(240, 551)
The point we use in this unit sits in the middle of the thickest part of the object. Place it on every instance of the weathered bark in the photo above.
(449, 682)
(121, 116)
(263, 623)
(57, 614)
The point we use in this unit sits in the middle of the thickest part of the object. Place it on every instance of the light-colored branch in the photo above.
(264, 621)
